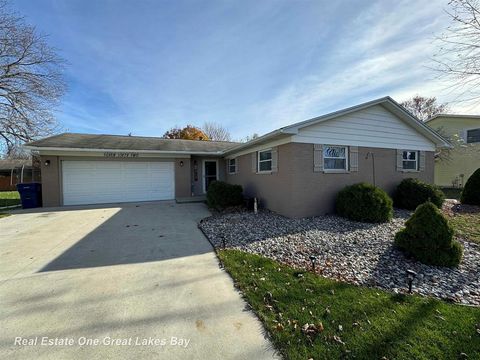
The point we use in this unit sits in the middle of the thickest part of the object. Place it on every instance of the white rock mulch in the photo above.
(357, 253)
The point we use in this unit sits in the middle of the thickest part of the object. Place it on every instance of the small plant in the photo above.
(412, 192)
(364, 202)
(221, 195)
(428, 237)
(471, 191)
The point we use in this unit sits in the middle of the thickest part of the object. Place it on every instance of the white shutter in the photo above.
(254, 162)
(317, 157)
(274, 159)
(421, 164)
(353, 158)
(399, 160)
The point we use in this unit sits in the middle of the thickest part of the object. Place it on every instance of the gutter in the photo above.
(281, 131)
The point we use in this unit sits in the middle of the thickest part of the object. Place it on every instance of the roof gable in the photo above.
(388, 103)
(373, 126)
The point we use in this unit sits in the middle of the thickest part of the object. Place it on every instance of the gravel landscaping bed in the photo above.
(357, 253)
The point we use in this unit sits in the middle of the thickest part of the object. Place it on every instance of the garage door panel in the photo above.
(95, 182)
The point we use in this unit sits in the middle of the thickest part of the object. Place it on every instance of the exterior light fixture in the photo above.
(410, 277)
(47, 162)
(181, 163)
(313, 259)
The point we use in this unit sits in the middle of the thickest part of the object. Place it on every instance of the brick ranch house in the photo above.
(296, 170)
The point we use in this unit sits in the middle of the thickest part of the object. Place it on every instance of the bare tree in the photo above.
(216, 132)
(458, 56)
(423, 108)
(31, 82)
(249, 138)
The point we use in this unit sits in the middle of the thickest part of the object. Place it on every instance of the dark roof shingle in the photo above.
(133, 143)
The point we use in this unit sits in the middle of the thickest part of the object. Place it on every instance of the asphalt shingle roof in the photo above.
(134, 143)
(13, 164)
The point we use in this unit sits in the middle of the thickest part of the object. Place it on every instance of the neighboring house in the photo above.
(13, 172)
(296, 170)
(464, 159)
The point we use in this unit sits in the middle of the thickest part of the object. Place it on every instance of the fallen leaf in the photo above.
(338, 339)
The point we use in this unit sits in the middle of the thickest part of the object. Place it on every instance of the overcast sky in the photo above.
(144, 66)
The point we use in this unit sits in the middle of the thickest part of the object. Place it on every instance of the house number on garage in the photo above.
(120, 154)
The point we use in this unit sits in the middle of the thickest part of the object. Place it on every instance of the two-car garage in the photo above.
(84, 169)
(97, 182)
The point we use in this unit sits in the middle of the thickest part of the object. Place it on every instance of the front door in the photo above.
(209, 173)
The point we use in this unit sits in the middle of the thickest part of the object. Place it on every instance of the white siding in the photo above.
(371, 127)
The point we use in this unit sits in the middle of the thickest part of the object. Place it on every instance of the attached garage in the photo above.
(84, 169)
(98, 182)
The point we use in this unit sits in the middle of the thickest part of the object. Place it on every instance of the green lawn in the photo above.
(354, 322)
(467, 226)
(9, 198)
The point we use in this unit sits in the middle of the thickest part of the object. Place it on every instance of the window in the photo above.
(473, 136)
(410, 160)
(264, 160)
(335, 158)
(232, 166)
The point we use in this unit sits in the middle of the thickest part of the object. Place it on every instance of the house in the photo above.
(296, 170)
(15, 171)
(464, 159)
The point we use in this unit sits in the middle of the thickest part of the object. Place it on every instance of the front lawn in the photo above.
(465, 220)
(467, 226)
(9, 198)
(348, 321)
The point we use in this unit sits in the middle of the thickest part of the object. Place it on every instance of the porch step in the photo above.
(191, 199)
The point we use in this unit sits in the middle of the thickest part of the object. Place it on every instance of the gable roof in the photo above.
(101, 143)
(93, 142)
(386, 102)
(458, 116)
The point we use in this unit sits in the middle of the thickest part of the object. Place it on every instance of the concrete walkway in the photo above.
(130, 281)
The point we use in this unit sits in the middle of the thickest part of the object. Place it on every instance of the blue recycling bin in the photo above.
(30, 195)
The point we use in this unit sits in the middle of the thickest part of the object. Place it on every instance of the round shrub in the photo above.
(221, 195)
(364, 202)
(428, 237)
(412, 192)
(471, 191)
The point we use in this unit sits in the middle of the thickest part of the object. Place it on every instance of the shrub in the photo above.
(412, 192)
(428, 237)
(364, 202)
(471, 191)
(221, 195)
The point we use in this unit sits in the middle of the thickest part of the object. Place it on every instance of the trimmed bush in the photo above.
(428, 237)
(364, 202)
(221, 195)
(471, 191)
(412, 192)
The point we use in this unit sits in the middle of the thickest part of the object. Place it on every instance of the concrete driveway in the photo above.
(130, 281)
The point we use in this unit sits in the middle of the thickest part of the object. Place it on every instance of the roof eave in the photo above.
(259, 140)
(160, 152)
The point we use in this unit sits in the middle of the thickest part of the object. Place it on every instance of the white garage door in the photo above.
(98, 182)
